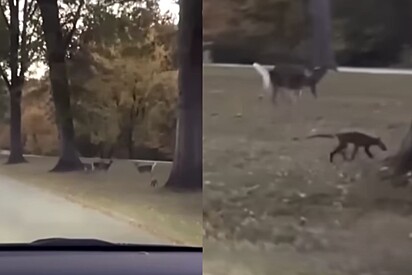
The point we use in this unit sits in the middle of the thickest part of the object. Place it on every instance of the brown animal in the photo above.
(358, 139)
(154, 182)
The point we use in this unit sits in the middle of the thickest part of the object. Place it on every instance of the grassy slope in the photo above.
(259, 182)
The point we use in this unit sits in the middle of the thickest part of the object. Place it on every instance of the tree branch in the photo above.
(4, 76)
(69, 36)
(64, 22)
(32, 9)
(3, 14)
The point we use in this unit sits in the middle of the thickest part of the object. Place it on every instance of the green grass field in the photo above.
(260, 183)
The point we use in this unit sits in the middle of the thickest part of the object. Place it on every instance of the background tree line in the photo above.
(372, 33)
(122, 71)
(111, 82)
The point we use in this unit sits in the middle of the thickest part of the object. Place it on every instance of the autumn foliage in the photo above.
(124, 102)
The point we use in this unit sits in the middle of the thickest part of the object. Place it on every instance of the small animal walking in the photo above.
(358, 139)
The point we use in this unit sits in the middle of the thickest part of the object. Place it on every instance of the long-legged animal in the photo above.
(291, 77)
(358, 139)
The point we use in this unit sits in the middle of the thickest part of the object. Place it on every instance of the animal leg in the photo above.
(355, 151)
(153, 180)
(338, 149)
(343, 154)
(293, 96)
(298, 93)
(313, 91)
(368, 152)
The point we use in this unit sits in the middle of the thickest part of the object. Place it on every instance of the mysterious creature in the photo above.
(292, 77)
(358, 139)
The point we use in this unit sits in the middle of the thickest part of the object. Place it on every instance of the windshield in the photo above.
(307, 137)
(89, 106)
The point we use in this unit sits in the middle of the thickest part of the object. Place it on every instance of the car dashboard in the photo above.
(111, 259)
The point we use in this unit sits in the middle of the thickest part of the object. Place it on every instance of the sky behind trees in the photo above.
(37, 70)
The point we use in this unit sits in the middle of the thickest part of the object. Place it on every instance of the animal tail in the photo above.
(264, 73)
(321, 136)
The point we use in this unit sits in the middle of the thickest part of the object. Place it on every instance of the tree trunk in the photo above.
(56, 51)
(322, 54)
(402, 161)
(15, 90)
(16, 148)
(186, 172)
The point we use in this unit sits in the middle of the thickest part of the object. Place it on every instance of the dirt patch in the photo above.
(124, 194)
(274, 204)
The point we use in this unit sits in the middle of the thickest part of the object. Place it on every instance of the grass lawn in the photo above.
(122, 193)
(274, 205)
